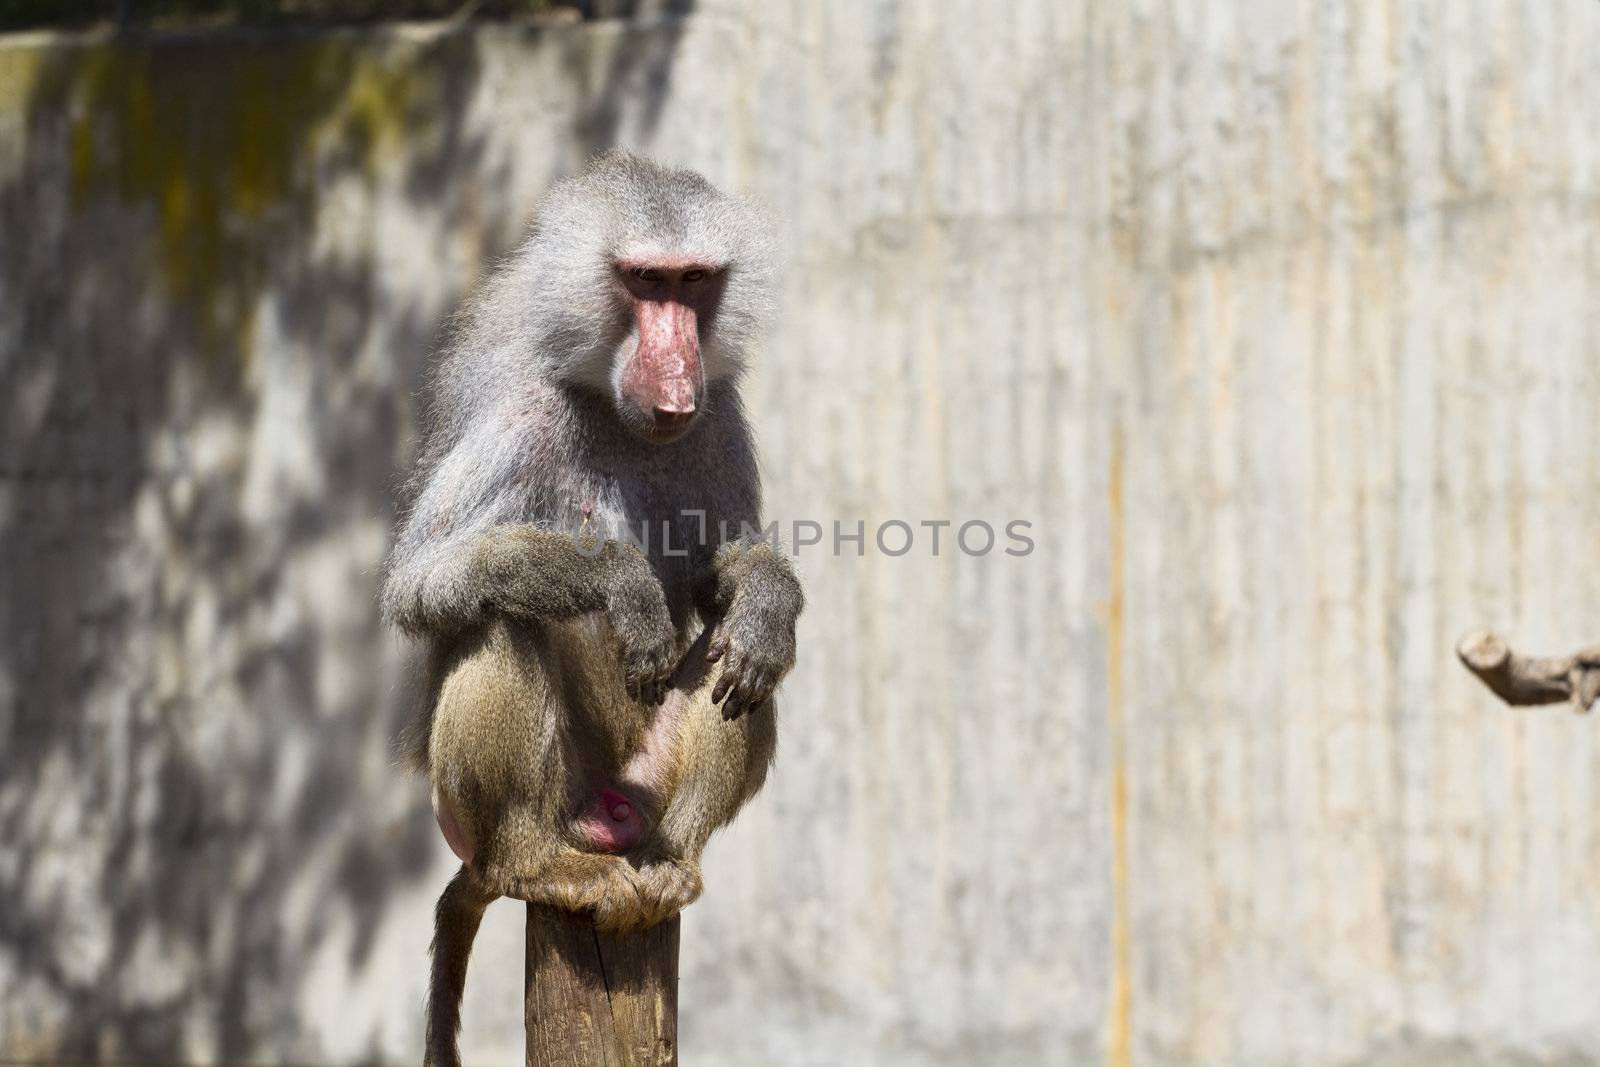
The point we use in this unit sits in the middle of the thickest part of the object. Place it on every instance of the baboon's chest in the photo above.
(672, 529)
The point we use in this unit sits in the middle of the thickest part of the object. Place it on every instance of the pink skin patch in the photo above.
(455, 835)
(611, 822)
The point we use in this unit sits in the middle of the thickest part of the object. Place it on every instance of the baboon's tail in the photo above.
(455, 924)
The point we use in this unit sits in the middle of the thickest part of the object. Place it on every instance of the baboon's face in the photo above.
(659, 383)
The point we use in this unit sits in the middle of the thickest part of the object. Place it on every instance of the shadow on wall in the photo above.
(208, 372)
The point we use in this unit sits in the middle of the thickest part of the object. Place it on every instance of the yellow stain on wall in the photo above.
(1119, 1022)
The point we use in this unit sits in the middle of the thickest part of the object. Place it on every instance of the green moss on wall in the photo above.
(228, 144)
(19, 72)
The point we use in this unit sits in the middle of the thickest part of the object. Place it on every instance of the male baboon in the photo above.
(572, 726)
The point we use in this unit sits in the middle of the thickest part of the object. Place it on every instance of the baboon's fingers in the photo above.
(648, 687)
(738, 702)
(747, 682)
(663, 683)
(738, 698)
(761, 689)
(752, 690)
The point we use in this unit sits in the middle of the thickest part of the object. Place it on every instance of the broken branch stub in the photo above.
(1527, 680)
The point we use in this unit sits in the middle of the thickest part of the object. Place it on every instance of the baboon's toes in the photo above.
(619, 907)
(668, 887)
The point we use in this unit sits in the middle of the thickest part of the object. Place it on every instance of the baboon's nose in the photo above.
(672, 419)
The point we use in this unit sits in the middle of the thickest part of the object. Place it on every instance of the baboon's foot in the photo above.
(619, 905)
(667, 887)
(606, 886)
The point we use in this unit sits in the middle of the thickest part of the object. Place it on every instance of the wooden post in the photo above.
(589, 999)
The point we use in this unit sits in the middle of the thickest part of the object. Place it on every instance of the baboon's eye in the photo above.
(647, 274)
(694, 275)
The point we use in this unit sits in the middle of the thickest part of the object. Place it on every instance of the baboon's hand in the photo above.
(755, 641)
(644, 629)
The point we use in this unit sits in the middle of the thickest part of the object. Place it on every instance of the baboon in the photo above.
(597, 704)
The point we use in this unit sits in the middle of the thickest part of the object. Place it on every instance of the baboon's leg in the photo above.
(716, 765)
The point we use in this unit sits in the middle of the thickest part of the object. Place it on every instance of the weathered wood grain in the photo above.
(598, 1001)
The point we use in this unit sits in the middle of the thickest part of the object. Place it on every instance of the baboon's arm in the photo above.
(463, 553)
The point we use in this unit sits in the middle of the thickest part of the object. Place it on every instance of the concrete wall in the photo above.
(1274, 319)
